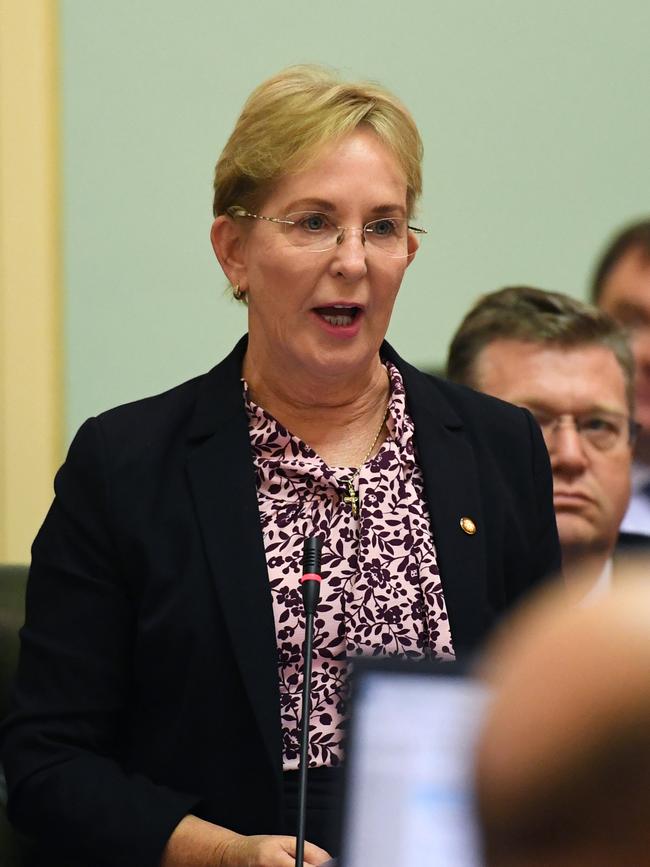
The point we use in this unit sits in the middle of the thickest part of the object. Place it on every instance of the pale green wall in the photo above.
(535, 121)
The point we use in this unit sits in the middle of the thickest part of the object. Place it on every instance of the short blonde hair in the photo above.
(291, 116)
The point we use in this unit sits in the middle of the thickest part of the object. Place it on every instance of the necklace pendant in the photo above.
(351, 498)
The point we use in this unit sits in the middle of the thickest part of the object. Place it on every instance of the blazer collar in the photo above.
(219, 401)
(422, 391)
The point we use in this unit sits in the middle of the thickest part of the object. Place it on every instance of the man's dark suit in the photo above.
(148, 683)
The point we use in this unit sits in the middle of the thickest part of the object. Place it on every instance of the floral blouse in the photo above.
(381, 592)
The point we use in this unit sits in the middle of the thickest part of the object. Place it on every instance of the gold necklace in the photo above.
(351, 497)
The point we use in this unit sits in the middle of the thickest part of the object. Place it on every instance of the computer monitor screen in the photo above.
(409, 794)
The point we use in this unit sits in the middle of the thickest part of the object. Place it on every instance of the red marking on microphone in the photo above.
(310, 576)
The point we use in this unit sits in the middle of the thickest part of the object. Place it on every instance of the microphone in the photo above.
(310, 585)
(311, 576)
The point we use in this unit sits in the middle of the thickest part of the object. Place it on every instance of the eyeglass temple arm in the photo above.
(238, 211)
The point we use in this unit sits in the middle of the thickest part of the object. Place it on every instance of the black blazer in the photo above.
(148, 684)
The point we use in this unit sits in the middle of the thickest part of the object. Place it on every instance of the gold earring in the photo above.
(237, 293)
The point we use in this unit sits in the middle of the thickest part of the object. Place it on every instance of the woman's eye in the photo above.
(382, 227)
(314, 222)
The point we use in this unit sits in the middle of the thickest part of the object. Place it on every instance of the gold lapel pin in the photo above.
(468, 526)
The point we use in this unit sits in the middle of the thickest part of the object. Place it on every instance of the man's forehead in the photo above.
(553, 377)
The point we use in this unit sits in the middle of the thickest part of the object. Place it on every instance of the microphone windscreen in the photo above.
(311, 555)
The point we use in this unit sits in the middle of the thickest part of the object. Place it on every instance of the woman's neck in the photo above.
(336, 416)
(283, 391)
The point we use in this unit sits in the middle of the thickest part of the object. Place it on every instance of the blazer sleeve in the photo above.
(61, 742)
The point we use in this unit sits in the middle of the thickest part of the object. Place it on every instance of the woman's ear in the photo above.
(227, 239)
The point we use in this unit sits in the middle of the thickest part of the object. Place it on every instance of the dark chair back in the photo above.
(14, 851)
(13, 581)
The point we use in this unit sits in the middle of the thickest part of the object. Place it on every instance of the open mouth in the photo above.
(339, 314)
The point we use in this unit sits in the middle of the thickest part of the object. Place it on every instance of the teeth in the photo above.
(338, 320)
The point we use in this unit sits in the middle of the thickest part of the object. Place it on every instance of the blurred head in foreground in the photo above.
(563, 770)
(570, 364)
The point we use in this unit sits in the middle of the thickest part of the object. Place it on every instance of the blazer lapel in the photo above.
(222, 481)
(451, 482)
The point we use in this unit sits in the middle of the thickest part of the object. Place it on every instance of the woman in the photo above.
(157, 702)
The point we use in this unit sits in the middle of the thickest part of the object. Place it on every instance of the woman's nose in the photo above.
(350, 254)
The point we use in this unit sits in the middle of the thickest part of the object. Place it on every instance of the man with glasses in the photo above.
(571, 366)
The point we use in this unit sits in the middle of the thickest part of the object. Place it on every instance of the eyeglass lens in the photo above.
(316, 232)
(603, 431)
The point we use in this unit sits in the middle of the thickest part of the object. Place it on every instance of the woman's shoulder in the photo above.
(157, 411)
(135, 438)
(193, 407)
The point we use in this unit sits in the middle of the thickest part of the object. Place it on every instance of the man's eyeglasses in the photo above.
(315, 232)
(602, 430)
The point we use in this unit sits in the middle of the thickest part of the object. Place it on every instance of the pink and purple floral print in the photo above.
(381, 593)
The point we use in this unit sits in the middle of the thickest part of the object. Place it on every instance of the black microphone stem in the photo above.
(304, 738)
(310, 593)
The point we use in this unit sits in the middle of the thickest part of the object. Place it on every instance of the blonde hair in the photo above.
(291, 116)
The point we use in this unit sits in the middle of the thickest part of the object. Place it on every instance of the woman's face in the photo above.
(325, 313)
